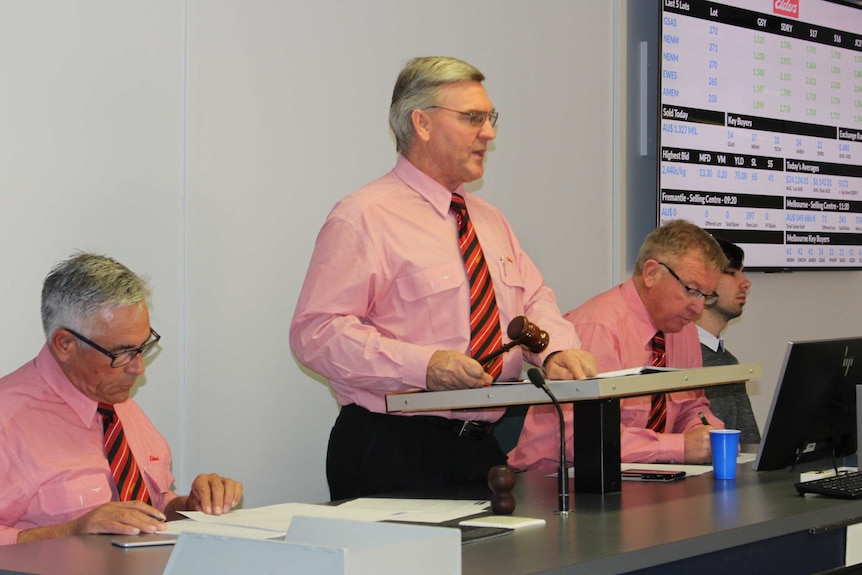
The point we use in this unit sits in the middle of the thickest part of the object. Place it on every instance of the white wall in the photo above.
(202, 142)
(91, 158)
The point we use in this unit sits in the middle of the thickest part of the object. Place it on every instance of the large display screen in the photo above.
(761, 127)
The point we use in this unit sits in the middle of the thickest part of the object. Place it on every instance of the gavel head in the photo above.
(524, 332)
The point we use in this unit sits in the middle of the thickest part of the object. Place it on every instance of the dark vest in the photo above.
(730, 402)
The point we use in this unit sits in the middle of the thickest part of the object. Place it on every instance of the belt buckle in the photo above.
(471, 429)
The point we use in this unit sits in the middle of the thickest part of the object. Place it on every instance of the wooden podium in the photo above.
(596, 405)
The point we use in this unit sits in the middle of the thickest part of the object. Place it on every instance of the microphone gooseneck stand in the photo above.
(536, 377)
(522, 331)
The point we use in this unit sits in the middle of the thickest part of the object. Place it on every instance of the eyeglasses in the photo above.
(124, 357)
(476, 119)
(708, 299)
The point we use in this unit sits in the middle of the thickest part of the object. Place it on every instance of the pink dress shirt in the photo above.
(616, 327)
(386, 288)
(53, 467)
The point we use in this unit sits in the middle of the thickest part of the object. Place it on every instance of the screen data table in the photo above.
(761, 127)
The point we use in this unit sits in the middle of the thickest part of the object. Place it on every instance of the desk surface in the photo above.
(646, 524)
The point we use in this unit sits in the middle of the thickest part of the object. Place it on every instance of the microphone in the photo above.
(538, 380)
(522, 332)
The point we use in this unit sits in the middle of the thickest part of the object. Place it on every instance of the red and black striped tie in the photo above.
(485, 332)
(127, 476)
(658, 412)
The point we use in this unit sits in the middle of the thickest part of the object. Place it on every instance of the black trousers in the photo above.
(373, 453)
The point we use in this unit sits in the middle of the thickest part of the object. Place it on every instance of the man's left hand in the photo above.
(571, 364)
(213, 494)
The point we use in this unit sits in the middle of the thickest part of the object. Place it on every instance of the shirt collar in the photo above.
(642, 321)
(707, 339)
(433, 191)
(50, 370)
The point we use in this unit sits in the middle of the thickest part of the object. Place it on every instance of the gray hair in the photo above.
(418, 87)
(677, 238)
(80, 286)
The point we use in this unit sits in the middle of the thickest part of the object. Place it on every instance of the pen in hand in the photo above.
(703, 418)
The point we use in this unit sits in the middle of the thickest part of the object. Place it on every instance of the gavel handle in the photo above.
(495, 353)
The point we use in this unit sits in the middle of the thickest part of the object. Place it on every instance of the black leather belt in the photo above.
(475, 430)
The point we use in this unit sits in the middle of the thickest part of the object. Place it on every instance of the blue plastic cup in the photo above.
(725, 448)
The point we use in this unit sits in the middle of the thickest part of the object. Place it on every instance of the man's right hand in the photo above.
(697, 447)
(116, 517)
(453, 370)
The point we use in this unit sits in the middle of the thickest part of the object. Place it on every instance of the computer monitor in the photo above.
(813, 412)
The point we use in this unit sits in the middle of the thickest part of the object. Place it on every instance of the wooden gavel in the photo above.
(522, 332)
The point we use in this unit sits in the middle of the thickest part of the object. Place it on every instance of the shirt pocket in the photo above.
(683, 397)
(158, 476)
(634, 411)
(509, 287)
(429, 297)
(82, 493)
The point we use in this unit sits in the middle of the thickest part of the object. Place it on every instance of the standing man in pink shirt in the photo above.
(386, 303)
(77, 454)
(676, 274)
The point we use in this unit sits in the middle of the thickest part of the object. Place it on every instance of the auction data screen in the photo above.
(761, 127)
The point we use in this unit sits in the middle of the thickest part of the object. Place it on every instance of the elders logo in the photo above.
(786, 8)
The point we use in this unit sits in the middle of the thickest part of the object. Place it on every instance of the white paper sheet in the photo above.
(503, 521)
(690, 470)
(217, 529)
(277, 517)
(608, 374)
(274, 520)
(418, 510)
(632, 371)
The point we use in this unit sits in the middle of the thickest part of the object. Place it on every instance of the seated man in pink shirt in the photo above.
(77, 454)
(676, 272)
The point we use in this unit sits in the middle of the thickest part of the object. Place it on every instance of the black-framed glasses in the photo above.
(476, 119)
(126, 357)
(708, 299)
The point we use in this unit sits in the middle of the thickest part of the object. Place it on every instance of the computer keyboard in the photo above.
(847, 485)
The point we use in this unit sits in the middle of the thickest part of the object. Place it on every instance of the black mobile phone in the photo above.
(652, 474)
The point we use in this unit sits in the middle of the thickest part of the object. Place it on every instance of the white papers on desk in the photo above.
(618, 373)
(219, 530)
(690, 470)
(503, 522)
(418, 510)
(632, 371)
(745, 458)
(273, 520)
